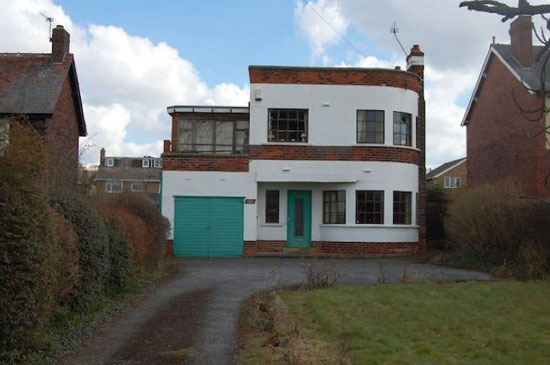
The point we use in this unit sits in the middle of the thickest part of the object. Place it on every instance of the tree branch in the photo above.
(508, 12)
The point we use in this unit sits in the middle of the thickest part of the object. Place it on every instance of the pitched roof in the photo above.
(444, 168)
(128, 168)
(30, 83)
(528, 76)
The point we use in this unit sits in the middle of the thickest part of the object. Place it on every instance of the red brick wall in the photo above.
(175, 162)
(334, 153)
(252, 248)
(501, 143)
(338, 76)
(62, 135)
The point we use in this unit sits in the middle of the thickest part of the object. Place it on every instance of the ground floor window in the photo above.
(113, 186)
(137, 186)
(402, 207)
(272, 206)
(369, 207)
(334, 207)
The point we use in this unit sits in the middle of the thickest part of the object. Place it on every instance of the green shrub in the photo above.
(26, 246)
(437, 203)
(121, 257)
(157, 226)
(93, 247)
(491, 226)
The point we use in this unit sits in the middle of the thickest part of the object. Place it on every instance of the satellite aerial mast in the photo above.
(394, 30)
(49, 20)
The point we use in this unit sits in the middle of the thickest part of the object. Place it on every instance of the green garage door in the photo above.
(208, 226)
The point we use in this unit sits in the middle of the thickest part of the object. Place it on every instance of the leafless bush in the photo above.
(321, 274)
(491, 226)
(383, 276)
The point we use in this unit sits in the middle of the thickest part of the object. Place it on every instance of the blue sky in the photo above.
(135, 58)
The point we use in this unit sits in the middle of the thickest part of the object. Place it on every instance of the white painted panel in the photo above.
(332, 109)
(208, 183)
(385, 176)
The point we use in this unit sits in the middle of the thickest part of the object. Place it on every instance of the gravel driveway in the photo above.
(195, 315)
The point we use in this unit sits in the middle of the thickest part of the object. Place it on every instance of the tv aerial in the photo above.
(394, 30)
(49, 20)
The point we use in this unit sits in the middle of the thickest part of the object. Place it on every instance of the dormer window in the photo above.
(157, 163)
(145, 162)
(110, 162)
(287, 125)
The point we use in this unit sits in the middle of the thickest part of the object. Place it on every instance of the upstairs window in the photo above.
(402, 207)
(370, 126)
(334, 207)
(272, 206)
(157, 163)
(213, 137)
(452, 182)
(287, 125)
(110, 162)
(369, 207)
(145, 162)
(113, 186)
(402, 132)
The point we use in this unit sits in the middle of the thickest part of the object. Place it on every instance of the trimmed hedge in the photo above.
(122, 266)
(93, 247)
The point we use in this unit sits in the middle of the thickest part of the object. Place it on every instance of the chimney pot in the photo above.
(60, 43)
(521, 40)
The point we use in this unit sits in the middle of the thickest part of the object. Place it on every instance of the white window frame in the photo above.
(145, 162)
(156, 163)
(453, 182)
(137, 183)
(109, 162)
(109, 186)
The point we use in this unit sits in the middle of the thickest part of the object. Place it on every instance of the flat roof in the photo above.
(207, 109)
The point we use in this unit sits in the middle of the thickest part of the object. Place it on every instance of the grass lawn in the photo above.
(479, 322)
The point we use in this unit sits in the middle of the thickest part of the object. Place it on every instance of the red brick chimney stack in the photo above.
(521, 39)
(60, 43)
(415, 61)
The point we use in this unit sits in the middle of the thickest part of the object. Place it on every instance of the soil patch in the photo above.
(168, 338)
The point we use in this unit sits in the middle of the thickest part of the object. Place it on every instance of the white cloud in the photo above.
(455, 42)
(312, 26)
(126, 81)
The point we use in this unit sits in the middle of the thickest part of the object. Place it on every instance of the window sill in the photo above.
(286, 144)
(370, 225)
(386, 146)
(271, 225)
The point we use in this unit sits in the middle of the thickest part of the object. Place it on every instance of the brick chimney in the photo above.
(415, 61)
(60, 43)
(521, 39)
(102, 157)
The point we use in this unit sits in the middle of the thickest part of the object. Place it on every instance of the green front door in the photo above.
(208, 226)
(299, 219)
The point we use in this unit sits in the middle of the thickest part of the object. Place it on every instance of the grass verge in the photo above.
(471, 322)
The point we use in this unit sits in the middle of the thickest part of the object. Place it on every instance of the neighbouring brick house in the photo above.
(450, 175)
(501, 142)
(325, 159)
(129, 174)
(42, 89)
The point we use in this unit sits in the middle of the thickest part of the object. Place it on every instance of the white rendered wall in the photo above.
(386, 176)
(332, 115)
(209, 183)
